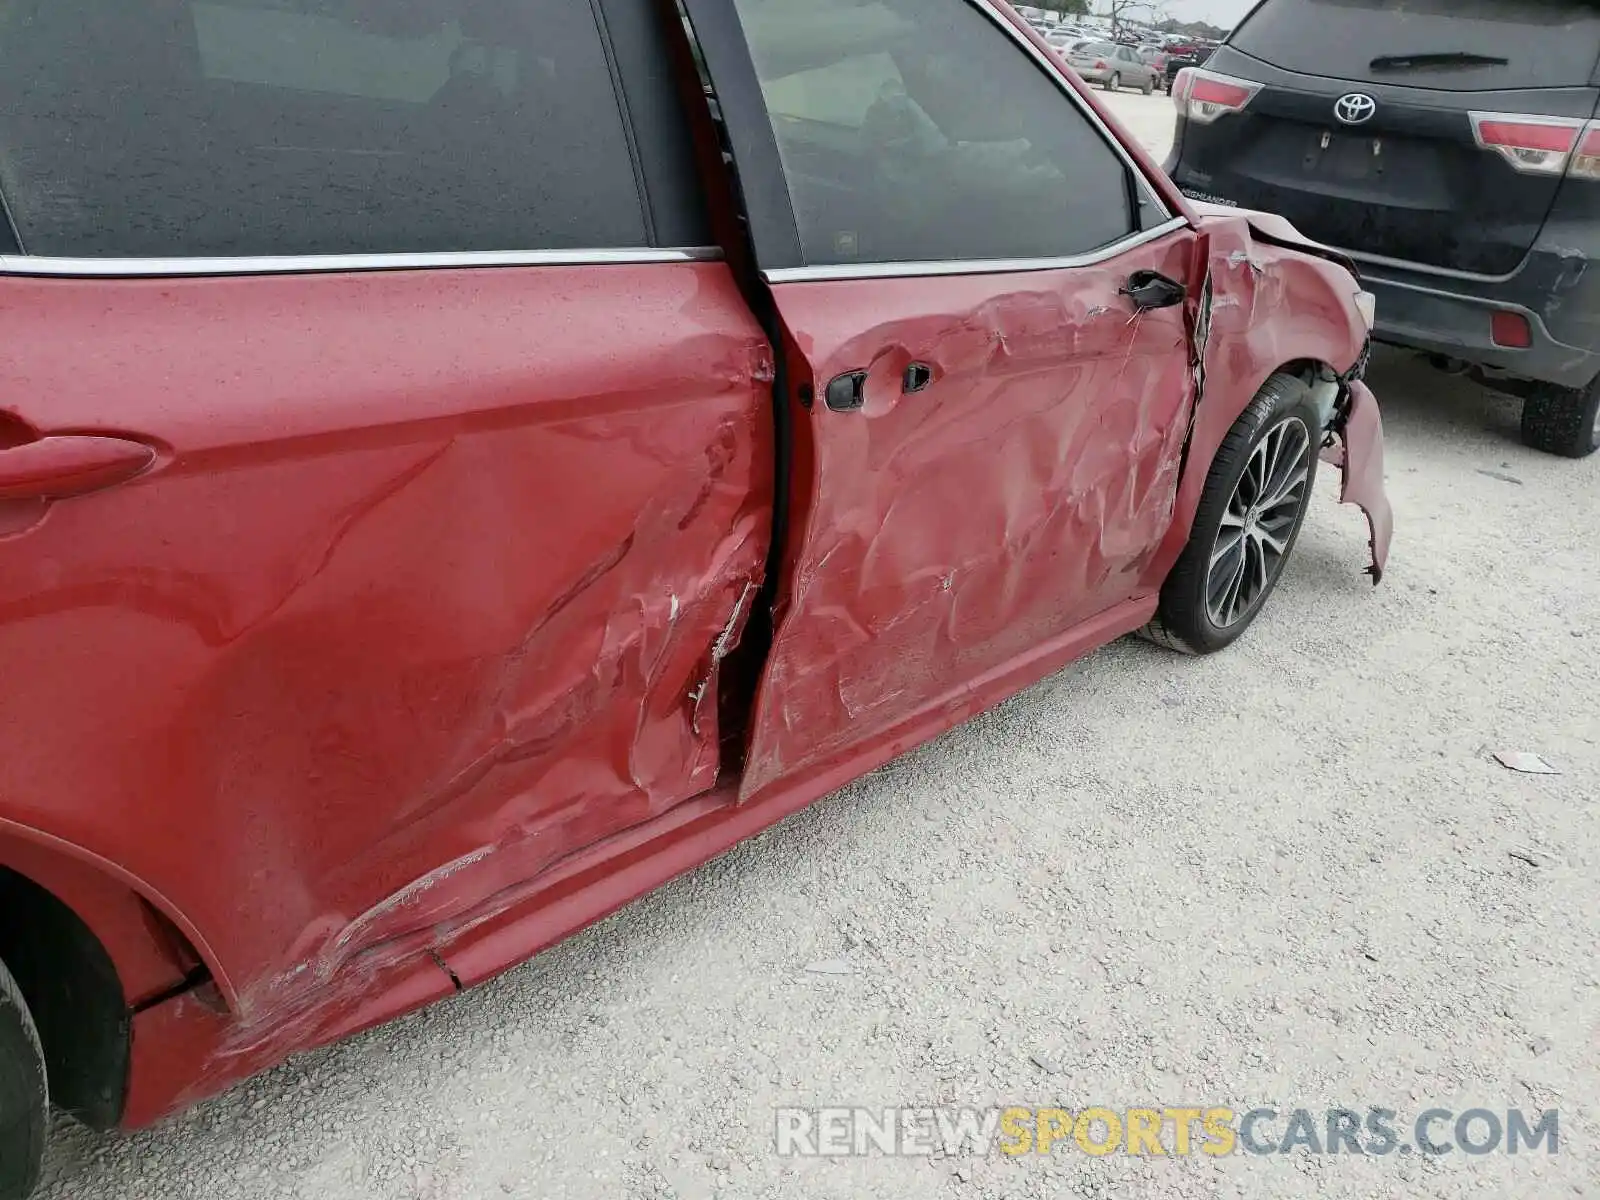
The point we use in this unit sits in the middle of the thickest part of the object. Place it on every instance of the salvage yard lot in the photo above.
(1283, 875)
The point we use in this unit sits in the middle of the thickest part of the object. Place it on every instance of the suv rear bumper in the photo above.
(1433, 317)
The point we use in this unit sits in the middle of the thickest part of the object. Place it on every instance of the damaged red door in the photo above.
(459, 467)
(376, 638)
(992, 448)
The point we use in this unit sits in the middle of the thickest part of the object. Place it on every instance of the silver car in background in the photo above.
(1064, 42)
(1113, 67)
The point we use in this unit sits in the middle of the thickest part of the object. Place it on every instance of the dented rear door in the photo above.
(420, 554)
(988, 426)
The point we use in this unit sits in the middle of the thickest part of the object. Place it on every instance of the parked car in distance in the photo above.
(1154, 57)
(1112, 66)
(1452, 150)
(1185, 54)
(438, 504)
(1067, 43)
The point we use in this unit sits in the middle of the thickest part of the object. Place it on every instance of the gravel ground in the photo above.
(1285, 874)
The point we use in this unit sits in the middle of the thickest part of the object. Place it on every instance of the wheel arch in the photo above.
(88, 953)
(1218, 410)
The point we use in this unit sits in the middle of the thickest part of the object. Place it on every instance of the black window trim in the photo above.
(780, 255)
(630, 133)
(763, 187)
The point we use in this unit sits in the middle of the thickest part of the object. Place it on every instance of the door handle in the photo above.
(1152, 289)
(847, 392)
(54, 468)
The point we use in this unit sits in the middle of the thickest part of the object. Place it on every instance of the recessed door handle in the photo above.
(1151, 289)
(847, 392)
(54, 468)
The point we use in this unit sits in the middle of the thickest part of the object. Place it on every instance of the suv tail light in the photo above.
(1541, 145)
(1586, 162)
(1202, 96)
(1533, 145)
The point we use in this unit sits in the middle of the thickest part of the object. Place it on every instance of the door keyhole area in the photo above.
(847, 392)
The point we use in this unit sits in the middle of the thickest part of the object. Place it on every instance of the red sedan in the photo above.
(466, 462)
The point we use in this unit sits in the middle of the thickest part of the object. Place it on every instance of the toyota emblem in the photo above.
(1355, 109)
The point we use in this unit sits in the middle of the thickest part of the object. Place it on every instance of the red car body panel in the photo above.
(381, 635)
(186, 1050)
(1263, 267)
(1360, 459)
(400, 662)
(151, 958)
(1023, 490)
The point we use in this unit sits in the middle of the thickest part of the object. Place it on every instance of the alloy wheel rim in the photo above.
(1253, 539)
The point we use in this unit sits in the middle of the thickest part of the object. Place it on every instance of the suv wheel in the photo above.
(24, 1101)
(1564, 421)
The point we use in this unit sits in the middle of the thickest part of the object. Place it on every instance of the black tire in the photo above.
(1149, 85)
(24, 1099)
(1185, 621)
(1564, 421)
(1114, 82)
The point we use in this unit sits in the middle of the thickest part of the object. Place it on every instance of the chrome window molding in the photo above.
(911, 270)
(135, 268)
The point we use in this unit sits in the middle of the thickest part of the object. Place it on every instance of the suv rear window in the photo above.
(1544, 43)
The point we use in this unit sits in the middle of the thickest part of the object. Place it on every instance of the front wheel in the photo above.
(1149, 86)
(24, 1100)
(1564, 421)
(1255, 500)
(1114, 83)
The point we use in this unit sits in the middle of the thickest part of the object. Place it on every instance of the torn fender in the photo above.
(1360, 457)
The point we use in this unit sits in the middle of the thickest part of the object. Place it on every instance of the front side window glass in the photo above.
(918, 130)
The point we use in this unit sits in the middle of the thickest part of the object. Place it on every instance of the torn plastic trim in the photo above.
(1358, 453)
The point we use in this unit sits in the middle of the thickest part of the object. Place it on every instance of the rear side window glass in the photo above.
(1484, 44)
(130, 128)
(917, 131)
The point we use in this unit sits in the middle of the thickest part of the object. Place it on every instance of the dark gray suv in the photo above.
(1451, 148)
